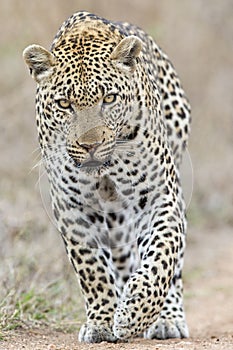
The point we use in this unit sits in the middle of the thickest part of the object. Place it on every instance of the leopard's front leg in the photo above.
(97, 282)
(146, 290)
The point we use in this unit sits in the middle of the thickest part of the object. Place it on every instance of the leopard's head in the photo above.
(87, 96)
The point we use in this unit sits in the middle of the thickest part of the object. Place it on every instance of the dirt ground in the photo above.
(208, 297)
(57, 341)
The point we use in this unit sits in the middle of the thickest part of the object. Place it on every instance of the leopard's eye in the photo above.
(63, 103)
(109, 99)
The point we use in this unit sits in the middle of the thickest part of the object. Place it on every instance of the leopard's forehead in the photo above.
(85, 23)
(83, 60)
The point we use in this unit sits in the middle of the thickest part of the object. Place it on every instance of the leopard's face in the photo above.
(86, 97)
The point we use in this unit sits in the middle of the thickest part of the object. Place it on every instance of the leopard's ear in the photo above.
(125, 53)
(40, 62)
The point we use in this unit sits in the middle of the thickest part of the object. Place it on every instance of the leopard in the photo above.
(113, 124)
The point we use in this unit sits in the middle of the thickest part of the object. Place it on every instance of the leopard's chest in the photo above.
(116, 205)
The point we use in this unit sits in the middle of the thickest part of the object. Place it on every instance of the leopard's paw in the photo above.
(93, 333)
(133, 315)
(135, 311)
(124, 325)
(167, 328)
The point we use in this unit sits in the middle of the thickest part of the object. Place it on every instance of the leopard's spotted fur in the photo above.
(113, 122)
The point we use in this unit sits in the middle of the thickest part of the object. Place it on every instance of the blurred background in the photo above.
(198, 37)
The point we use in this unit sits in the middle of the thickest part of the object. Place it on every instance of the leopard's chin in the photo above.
(94, 167)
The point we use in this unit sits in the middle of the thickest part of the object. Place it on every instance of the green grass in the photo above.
(37, 308)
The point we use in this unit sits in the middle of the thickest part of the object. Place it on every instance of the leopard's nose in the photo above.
(90, 147)
(92, 139)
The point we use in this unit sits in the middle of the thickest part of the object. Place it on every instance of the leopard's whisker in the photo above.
(40, 177)
(127, 142)
(39, 163)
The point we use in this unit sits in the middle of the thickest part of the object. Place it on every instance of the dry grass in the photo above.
(37, 286)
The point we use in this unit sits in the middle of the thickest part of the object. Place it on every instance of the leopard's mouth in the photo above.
(93, 165)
